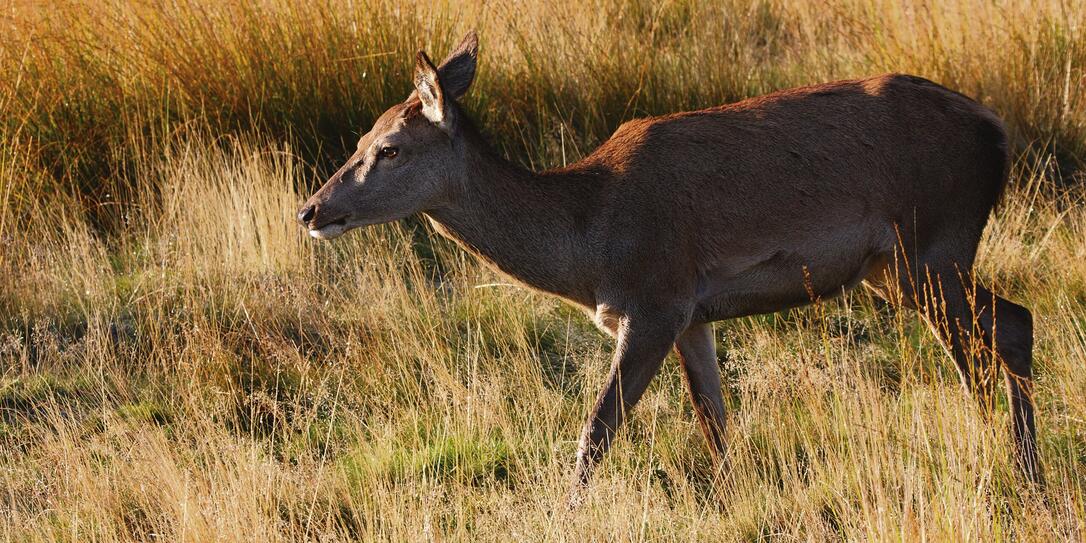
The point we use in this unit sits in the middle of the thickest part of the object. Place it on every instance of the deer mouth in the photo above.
(330, 229)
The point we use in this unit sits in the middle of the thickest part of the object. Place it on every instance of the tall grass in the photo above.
(177, 361)
(556, 78)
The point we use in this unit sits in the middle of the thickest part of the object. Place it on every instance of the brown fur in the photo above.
(680, 220)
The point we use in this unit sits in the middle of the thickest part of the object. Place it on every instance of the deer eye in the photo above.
(388, 152)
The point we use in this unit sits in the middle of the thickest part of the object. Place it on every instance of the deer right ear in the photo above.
(458, 70)
(428, 87)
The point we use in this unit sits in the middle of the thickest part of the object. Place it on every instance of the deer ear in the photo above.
(458, 70)
(428, 87)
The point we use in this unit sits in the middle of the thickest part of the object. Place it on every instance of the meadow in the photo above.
(179, 362)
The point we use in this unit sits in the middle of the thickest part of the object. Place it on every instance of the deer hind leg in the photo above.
(1009, 328)
(949, 304)
(939, 295)
(697, 353)
(979, 330)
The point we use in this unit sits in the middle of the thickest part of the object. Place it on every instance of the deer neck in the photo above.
(530, 226)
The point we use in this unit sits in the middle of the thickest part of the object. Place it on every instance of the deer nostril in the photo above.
(306, 214)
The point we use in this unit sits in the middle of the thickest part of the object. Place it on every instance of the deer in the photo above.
(681, 220)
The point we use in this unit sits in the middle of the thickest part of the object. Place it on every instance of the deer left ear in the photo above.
(428, 87)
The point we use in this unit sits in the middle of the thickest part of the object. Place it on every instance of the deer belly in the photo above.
(781, 281)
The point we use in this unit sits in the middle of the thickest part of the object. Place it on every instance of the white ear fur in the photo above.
(428, 87)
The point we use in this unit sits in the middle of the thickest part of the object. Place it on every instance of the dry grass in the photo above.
(178, 362)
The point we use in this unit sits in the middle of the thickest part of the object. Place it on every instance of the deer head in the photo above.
(412, 160)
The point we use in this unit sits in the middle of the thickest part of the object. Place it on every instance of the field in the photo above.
(179, 362)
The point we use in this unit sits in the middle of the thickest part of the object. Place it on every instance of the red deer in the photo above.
(684, 219)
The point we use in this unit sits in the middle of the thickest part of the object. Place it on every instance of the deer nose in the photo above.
(306, 214)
